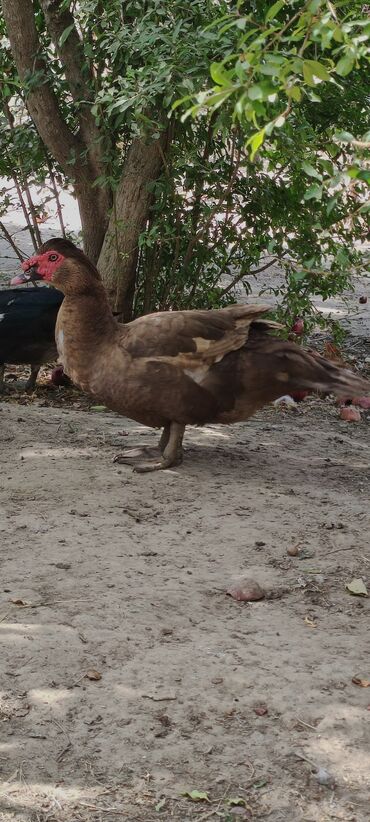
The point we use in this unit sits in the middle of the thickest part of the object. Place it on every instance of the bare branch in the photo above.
(56, 194)
(239, 276)
(203, 230)
(11, 242)
(357, 143)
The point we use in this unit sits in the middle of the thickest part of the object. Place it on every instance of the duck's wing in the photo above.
(192, 338)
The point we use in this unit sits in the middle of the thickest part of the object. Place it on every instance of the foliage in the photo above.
(261, 168)
(295, 84)
(281, 54)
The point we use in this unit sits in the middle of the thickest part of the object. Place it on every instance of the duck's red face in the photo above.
(41, 267)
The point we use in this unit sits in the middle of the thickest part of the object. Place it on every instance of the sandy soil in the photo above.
(125, 575)
(128, 676)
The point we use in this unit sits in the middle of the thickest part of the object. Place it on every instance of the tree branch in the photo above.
(239, 276)
(78, 74)
(69, 149)
(202, 231)
(357, 143)
(11, 242)
(41, 100)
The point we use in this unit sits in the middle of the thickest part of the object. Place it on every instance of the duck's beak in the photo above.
(26, 276)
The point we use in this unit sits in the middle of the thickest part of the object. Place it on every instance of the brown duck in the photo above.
(172, 369)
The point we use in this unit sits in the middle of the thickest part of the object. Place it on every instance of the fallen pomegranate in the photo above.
(298, 327)
(350, 414)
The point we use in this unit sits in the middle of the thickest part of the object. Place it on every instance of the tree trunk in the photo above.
(111, 240)
(94, 203)
(119, 255)
(70, 150)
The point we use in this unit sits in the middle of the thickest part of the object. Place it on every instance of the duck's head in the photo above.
(60, 263)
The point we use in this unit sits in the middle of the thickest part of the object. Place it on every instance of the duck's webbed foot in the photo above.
(131, 456)
(168, 454)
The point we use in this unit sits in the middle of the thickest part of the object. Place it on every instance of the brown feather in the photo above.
(185, 367)
(188, 338)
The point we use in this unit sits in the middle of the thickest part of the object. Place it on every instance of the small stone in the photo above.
(246, 590)
(325, 778)
(261, 710)
(318, 578)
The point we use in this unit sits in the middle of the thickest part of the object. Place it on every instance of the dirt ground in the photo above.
(126, 576)
(128, 675)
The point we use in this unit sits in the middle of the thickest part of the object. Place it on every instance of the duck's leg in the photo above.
(131, 456)
(172, 453)
(31, 382)
(164, 438)
(168, 454)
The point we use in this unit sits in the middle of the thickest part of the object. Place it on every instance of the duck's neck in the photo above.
(91, 308)
(85, 323)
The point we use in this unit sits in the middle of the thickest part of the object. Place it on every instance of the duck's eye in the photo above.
(52, 258)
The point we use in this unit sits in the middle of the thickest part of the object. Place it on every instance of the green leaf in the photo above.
(122, 104)
(326, 165)
(298, 276)
(331, 203)
(237, 802)
(307, 74)
(317, 69)
(256, 141)
(255, 92)
(217, 22)
(274, 10)
(295, 93)
(160, 805)
(311, 171)
(215, 100)
(364, 174)
(269, 69)
(345, 65)
(98, 408)
(65, 34)
(344, 136)
(314, 6)
(219, 75)
(353, 172)
(338, 35)
(357, 587)
(197, 796)
(182, 100)
(313, 96)
(313, 193)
